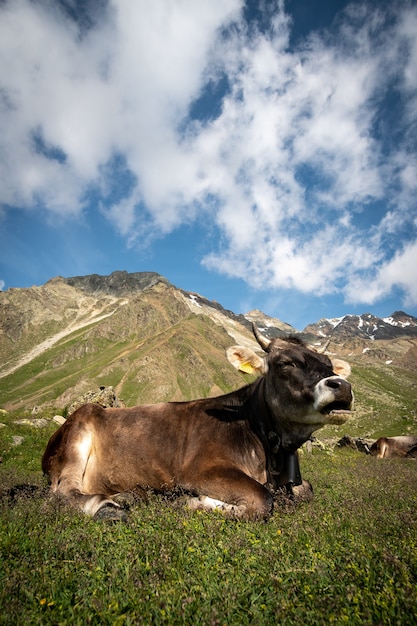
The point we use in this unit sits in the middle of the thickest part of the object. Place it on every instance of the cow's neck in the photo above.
(289, 437)
(279, 444)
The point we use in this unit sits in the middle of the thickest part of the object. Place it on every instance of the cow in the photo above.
(395, 447)
(229, 452)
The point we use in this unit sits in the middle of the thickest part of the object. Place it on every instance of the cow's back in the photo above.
(395, 447)
(157, 446)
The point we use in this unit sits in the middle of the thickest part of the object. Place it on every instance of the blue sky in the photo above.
(262, 154)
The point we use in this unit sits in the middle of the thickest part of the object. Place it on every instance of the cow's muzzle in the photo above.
(333, 396)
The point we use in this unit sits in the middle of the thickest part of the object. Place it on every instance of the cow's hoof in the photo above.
(125, 500)
(109, 513)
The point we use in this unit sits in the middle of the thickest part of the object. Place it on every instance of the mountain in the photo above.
(152, 341)
(135, 332)
(391, 340)
(365, 326)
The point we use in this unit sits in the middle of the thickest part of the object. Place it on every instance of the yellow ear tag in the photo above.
(247, 368)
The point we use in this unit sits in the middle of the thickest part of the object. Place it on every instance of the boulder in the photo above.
(105, 396)
(356, 443)
(59, 419)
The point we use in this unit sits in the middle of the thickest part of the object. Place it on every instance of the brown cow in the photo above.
(223, 450)
(395, 447)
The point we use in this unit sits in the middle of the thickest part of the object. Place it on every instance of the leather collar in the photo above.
(281, 464)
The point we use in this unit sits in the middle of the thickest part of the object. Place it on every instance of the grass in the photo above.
(93, 357)
(385, 403)
(348, 556)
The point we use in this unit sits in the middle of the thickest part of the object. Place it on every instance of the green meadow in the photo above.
(349, 556)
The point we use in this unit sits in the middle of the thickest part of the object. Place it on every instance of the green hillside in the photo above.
(151, 349)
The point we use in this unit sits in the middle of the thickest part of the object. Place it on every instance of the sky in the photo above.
(260, 153)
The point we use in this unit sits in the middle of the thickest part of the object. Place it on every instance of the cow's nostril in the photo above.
(334, 383)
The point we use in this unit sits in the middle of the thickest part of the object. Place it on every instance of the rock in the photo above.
(363, 445)
(346, 442)
(40, 422)
(325, 446)
(59, 419)
(308, 446)
(17, 440)
(105, 396)
(358, 443)
(119, 283)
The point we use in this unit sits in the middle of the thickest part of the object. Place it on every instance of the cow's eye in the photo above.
(289, 364)
(285, 364)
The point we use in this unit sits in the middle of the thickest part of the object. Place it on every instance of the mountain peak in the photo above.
(118, 283)
(366, 326)
(269, 326)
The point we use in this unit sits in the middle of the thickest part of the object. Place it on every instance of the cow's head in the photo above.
(302, 386)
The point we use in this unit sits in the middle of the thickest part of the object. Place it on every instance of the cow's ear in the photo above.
(341, 368)
(245, 360)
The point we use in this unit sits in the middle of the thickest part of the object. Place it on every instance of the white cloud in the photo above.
(123, 87)
(316, 112)
(400, 271)
(295, 160)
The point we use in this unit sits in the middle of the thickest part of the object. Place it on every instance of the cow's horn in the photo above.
(263, 341)
(324, 348)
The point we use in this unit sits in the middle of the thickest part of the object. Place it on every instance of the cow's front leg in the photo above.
(99, 506)
(233, 492)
